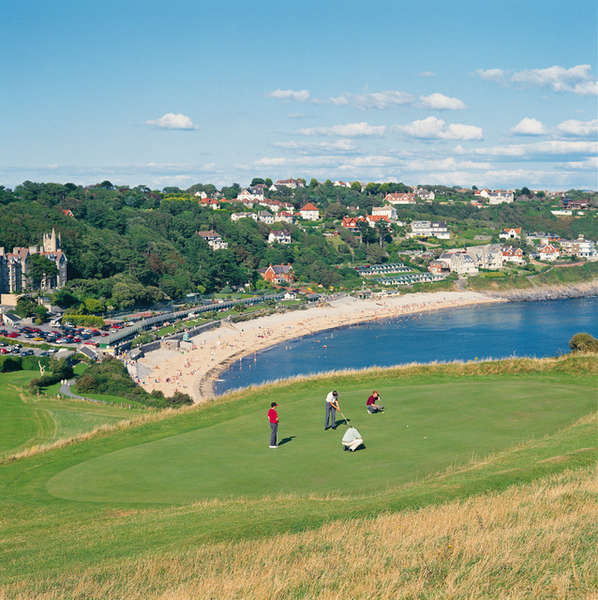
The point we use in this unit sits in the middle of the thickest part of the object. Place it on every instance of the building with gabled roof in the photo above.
(310, 212)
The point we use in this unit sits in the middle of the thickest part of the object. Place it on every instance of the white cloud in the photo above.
(552, 147)
(296, 95)
(529, 126)
(366, 161)
(434, 128)
(296, 116)
(589, 163)
(491, 74)
(444, 164)
(427, 74)
(173, 121)
(579, 128)
(575, 79)
(348, 130)
(342, 145)
(441, 102)
(374, 100)
(340, 100)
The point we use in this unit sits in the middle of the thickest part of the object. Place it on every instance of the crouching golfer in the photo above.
(273, 418)
(372, 403)
(332, 406)
(352, 439)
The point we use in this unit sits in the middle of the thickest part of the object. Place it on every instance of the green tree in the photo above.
(39, 268)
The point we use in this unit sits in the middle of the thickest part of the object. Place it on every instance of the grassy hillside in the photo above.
(30, 421)
(146, 508)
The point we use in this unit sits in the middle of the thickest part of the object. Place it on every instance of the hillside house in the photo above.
(427, 195)
(459, 262)
(284, 216)
(351, 223)
(513, 255)
(437, 229)
(500, 197)
(243, 215)
(292, 184)
(399, 198)
(278, 274)
(548, 253)
(310, 212)
(481, 194)
(388, 211)
(201, 195)
(279, 237)
(487, 256)
(341, 184)
(510, 233)
(439, 267)
(215, 242)
(373, 220)
(263, 216)
(209, 203)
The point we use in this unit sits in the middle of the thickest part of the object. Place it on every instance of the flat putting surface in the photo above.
(425, 428)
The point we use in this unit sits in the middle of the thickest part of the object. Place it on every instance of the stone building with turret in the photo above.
(13, 265)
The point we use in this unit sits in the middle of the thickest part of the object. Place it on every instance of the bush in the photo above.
(60, 369)
(583, 342)
(111, 377)
(84, 320)
(9, 364)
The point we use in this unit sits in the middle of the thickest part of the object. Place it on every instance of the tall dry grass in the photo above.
(535, 541)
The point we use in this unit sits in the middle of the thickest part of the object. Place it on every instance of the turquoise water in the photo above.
(488, 331)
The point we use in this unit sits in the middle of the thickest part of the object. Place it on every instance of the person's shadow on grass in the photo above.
(286, 440)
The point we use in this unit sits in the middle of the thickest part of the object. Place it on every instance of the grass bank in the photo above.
(167, 503)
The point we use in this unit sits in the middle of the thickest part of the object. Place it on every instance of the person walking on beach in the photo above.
(332, 406)
(273, 419)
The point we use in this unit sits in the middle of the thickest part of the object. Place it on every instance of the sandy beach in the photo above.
(193, 370)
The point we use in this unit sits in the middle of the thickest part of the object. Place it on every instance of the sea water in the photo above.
(539, 329)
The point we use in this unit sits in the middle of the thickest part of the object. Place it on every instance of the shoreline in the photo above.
(194, 371)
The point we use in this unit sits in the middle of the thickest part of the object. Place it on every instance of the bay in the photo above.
(540, 329)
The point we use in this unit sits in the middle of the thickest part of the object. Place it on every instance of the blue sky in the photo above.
(499, 94)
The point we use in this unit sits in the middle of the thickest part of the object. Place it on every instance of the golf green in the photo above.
(425, 428)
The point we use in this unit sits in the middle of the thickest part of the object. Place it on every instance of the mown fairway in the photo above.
(169, 484)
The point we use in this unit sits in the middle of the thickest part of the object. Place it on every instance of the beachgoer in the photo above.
(332, 406)
(372, 403)
(273, 419)
(352, 439)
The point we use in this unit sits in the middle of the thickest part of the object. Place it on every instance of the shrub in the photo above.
(583, 342)
(9, 364)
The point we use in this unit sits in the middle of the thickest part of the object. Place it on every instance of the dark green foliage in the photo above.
(28, 307)
(10, 363)
(111, 377)
(59, 369)
(583, 342)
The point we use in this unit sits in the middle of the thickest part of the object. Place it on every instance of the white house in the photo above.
(388, 211)
(292, 184)
(309, 212)
(585, 248)
(201, 195)
(373, 220)
(500, 197)
(510, 233)
(487, 256)
(423, 194)
(399, 198)
(548, 252)
(512, 255)
(481, 194)
(279, 237)
(213, 239)
(284, 216)
(341, 184)
(243, 215)
(438, 230)
(265, 217)
(459, 262)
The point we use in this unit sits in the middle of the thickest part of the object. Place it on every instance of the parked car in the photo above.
(44, 353)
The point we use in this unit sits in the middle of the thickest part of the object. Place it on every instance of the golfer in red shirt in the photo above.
(273, 418)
